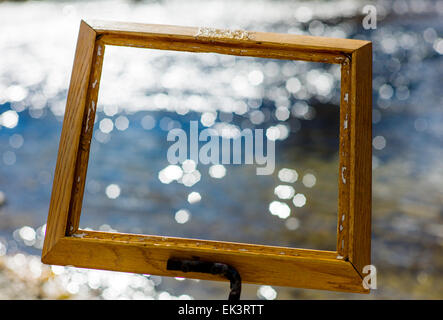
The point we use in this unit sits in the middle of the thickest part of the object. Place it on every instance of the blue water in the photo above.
(408, 139)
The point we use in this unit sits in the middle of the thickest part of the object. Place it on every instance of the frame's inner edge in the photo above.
(156, 241)
(205, 45)
(192, 243)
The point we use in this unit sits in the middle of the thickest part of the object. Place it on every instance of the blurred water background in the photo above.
(145, 93)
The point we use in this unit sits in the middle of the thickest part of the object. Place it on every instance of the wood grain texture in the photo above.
(264, 39)
(338, 270)
(70, 137)
(256, 264)
(85, 140)
(260, 51)
(361, 158)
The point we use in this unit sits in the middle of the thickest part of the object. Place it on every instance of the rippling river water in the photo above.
(131, 187)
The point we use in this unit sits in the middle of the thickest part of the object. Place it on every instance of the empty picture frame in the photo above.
(340, 270)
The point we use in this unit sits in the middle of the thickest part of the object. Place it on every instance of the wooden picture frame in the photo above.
(340, 270)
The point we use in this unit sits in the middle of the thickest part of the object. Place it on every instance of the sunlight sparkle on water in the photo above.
(106, 125)
(182, 216)
(217, 171)
(284, 192)
(309, 180)
(255, 77)
(194, 197)
(267, 293)
(282, 113)
(148, 122)
(122, 123)
(189, 166)
(288, 175)
(379, 142)
(170, 173)
(112, 191)
(9, 119)
(27, 233)
(208, 118)
(292, 223)
(293, 85)
(299, 200)
(16, 141)
(279, 209)
(189, 179)
(9, 158)
(16, 93)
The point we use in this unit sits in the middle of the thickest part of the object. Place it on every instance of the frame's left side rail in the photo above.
(82, 161)
(70, 136)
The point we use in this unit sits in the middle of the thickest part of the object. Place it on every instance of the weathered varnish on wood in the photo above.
(361, 158)
(85, 139)
(340, 270)
(256, 264)
(344, 160)
(70, 137)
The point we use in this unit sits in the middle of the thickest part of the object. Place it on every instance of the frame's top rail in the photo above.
(227, 36)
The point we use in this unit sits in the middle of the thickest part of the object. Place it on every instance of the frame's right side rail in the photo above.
(361, 158)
